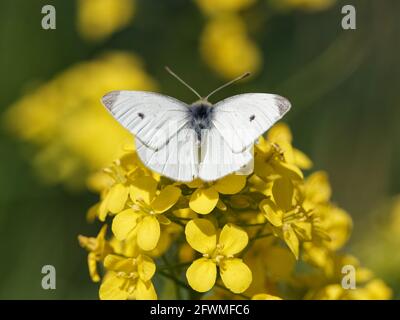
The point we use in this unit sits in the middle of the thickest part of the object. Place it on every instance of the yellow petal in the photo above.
(145, 291)
(271, 212)
(291, 240)
(201, 274)
(143, 188)
(197, 183)
(123, 223)
(146, 267)
(280, 132)
(116, 198)
(288, 170)
(282, 191)
(92, 264)
(118, 263)
(232, 239)
(148, 233)
(230, 184)
(166, 199)
(110, 288)
(301, 160)
(235, 275)
(203, 201)
(265, 296)
(201, 235)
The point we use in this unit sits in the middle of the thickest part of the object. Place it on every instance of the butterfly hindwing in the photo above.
(177, 160)
(217, 158)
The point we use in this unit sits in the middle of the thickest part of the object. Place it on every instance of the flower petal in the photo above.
(203, 201)
(148, 233)
(271, 212)
(110, 288)
(143, 188)
(118, 263)
(230, 184)
(282, 192)
(232, 239)
(201, 235)
(116, 198)
(235, 275)
(201, 274)
(123, 223)
(166, 199)
(146, 267)
(265, 296)
(145, 291)
(291, 240)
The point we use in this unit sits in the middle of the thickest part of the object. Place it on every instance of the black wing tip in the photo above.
(283, 104)
(109, 99)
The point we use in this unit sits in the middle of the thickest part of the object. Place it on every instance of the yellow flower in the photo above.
(290, 221)
(98, 248)
(217, 6)
(98, 19)
(144, 216)
(217, 250)
(265, 296)
(225, 42)
(206, 197)
(128, 278)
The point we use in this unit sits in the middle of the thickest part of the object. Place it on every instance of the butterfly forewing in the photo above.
(241, 119)
(153, 118)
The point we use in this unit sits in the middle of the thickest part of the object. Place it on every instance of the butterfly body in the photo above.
(201, 113)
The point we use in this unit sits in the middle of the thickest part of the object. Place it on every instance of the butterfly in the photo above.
(202, 140)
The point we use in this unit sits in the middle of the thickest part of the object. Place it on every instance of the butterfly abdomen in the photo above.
(201, 116)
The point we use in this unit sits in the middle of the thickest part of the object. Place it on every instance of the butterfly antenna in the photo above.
(183, 82)
(245, 75)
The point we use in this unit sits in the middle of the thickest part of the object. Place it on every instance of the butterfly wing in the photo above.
(217, 158)
(241, 119)
(177, 160)
(153, 118)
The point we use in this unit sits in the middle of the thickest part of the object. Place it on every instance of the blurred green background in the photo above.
(343, 86)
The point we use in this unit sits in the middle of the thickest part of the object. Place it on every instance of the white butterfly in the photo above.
(201, 140)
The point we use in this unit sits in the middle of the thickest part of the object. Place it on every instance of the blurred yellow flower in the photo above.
(98, 19)
(227, 48)
(128, 278)
(217, 250)
(217, 6)
(74, 133)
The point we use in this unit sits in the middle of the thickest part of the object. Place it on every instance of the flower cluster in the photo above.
(271, 235)
(99, 19)
(65, 119)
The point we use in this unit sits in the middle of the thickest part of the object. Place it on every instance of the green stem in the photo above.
(176, 274)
